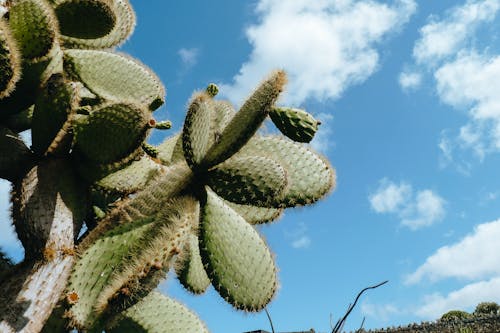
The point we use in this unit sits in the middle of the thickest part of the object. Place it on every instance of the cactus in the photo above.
(190, 203)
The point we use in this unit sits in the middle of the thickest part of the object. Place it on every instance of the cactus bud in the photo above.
(296, 124)
(212, 90)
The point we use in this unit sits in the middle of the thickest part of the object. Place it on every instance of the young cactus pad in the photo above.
(190, 203)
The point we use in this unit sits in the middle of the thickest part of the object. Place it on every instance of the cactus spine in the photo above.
(189, 203)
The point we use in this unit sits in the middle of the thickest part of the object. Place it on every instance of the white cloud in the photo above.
(441, 38)
(324, 45)
(299, 239)
(465, 298)
(410, 80)
(381, 312)
(189, 57)
(390, 197)
(415, 209)
(471, 82)
(302, 242)
(466, 77)
(428, 208)
(474, 257)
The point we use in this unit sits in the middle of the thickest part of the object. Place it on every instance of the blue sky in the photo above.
(409, 99)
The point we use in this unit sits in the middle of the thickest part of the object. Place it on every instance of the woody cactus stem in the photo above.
(189, 203)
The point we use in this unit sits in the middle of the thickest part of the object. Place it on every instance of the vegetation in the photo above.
(103, 215)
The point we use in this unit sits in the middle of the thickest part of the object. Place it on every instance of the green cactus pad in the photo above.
(115, 77)
(197, 129)
(254, 214)
(49, 205)
(157, 313)
(296, 124)
(95, 267)
(150, 259)
(122, 29)
(249, 180)
(236, 258)
(34, 75)
(189, 267)
(15, 157)
(52, 108)
(33, 26)
(310, 177)
(170, 151)
(247, 120)
(85, 19)
(132, 178)
(10, 62)
(111, 132)
(146, 203)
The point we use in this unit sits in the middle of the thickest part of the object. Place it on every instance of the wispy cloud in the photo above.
(410, 80)
(379, 311)
(189, 56)
(466, 78)
(442, 38)
(298, 237)
(307, 39)
(302, 242)
(473, 257)
(415, 209)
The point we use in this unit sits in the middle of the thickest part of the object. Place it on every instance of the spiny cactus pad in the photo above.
(52, 108)
(111, 132)
(157, 313)
(196, 131)
(10, 62)
(296, 124)
(189, 267)
(34, 27)
(95, 268)
(254, 214)
(122, 29)
(248, 180)
(309, 176)
(247, 120)
(85, 19)
(236, 258)
(114, 77)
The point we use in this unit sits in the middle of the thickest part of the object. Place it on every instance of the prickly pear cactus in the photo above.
(190, 203)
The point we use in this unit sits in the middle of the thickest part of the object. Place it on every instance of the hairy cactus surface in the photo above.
(102, 214)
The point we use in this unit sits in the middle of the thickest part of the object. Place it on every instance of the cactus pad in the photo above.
(85, 19)
(14, 155)
(249, 180)
(196, 131)
(236, 258)
(114, 77)
(111, 132)
(122, 29)
(157, 313)
(254, 214)
(296, 124)
(10, 62)
(189, 267)
(309, 176)
(247, 120)
(34, 27)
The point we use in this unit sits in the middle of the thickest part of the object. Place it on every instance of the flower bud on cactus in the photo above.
(296, 124)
